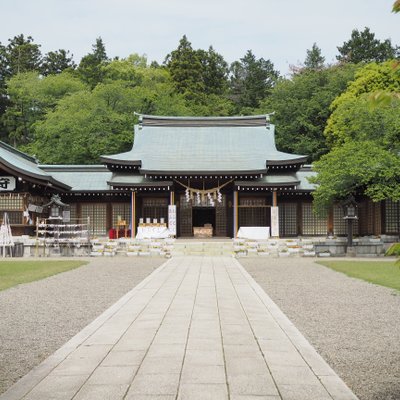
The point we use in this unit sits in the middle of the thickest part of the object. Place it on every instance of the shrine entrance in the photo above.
(192, 215)
(203, 221)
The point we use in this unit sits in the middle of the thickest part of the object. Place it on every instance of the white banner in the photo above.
(172, 220)
(275, 221)
(7, 183)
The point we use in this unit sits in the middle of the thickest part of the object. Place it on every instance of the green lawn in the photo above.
(379, 272)
(15, 272)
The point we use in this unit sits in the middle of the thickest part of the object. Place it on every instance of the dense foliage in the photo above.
(301, 106)
(365, 141)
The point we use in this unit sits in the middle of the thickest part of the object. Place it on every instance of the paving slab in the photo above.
(196, 328)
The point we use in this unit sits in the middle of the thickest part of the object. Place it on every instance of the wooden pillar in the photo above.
(274, 199)
(235, 213)
(171, 198)
(133, 214)
(109, 221)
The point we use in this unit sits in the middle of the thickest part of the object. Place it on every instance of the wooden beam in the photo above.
(235, 213)
(133, 214)
(274, 199)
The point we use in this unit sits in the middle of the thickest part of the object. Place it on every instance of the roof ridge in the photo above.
(197, 121)
(12, 149)
(148, 116)
(73, 167)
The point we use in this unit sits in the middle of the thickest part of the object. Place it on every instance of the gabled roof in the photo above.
(19, 163)
(168, 145)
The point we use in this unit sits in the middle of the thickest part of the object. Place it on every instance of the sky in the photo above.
(278, 30)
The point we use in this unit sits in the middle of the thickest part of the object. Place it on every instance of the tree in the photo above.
(89, 123)
(301, 106)
(83, 126)
(214, 72)
(54, 62)
(138, 60)
(356, 168)
(30, 97)
(251, 80)
(21, 55)
(396, 6)
(185, 68)
(365, 141)
(353, 118)
(364, 47)
(314, 58)
(90, 67)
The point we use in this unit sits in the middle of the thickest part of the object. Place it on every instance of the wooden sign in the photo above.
(7, 183)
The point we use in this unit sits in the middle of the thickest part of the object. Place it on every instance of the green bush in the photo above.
(393, 250)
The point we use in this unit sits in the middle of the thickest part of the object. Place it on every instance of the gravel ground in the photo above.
(39, 317)
(354, 325)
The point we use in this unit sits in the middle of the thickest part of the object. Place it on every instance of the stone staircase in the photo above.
(203, 248)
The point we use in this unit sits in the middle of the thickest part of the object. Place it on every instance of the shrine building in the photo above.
(222, 173)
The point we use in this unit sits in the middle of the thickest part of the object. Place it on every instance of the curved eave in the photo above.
(266, 184)
(147, 184)
(78, 192)
(35, 178)
(113, 161)
(294, 162)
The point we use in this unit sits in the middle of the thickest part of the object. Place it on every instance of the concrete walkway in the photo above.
(196, 328)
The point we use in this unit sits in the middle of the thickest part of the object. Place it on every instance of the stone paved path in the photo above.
(197, 328)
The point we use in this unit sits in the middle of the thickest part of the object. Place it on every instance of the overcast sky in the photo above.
(279, 30)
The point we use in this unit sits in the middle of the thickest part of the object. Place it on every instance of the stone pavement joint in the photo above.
(196, 328)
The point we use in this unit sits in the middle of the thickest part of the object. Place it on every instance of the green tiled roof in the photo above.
(23, 164)
(295, 179)
(206, 149)
(81, 178)
(126, 179)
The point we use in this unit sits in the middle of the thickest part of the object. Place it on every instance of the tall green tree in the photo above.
(186, 69)
(30, 97)
(54, 62)
(301, 106)
(90, 67)
(365, 47)
(214, 71)
(356, 168)
(314, 58)
(352, 117)
(251, 81)
(85, 125)
(21, 55)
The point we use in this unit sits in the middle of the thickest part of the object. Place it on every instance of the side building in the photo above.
(223, 172)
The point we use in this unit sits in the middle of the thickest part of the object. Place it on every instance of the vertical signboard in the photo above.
(274, 221)
(172, 219)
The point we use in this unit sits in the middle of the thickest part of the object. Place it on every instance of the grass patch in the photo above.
(379, 272)
(13, 273)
